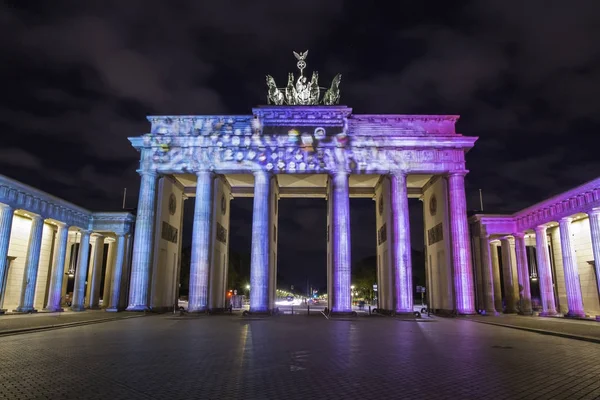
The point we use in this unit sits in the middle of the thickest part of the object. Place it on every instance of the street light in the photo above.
(248, 287)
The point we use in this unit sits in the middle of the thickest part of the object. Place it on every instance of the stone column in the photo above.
(574, 299)
(595, 233)
(6, 218)
(32, 261)
(496, 276)
(544, 271)
(487, 275)
(342, 299)
(259, 263)
(201, 249)
(401, 244)
(142, 245)
(58, 268)
(96, 273)
(110, 264)
(507, 277)
(81, 272)
(461, 247)
(523, 272)
(117, 275)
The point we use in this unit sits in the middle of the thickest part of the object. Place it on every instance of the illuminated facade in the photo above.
(302, 151)
(52, 253)
(541, 258)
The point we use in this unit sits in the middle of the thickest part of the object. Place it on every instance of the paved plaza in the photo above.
(295, 357)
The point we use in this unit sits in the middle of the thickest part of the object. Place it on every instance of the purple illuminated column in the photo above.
(142, 244)
(595, 233)
(6, 217)
(523, 272)
(96, 275)
(200, 259)
(574, 300)
(117, 275)
(401, 244)
(545, 274)
(342, 300)
(461, 249)
(507, 277)
(259, 264)
(58, 268)
(31, 265)
(81, 272)
(487, 275)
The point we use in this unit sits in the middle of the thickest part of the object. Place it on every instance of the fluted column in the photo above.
(96, 273)
(401, 244)
(259, 263)
(342, 300)
(595, 233)
(523, 272)
(58, 268)
(507, 277)
(81, 272)
(117, 275)
(110, 264)
(6, 218)
(487, 275)
(32, 261)
(461, 248)
(544, 271)
(496, 276)
(574, 299)
(201, 236)
(142, 245)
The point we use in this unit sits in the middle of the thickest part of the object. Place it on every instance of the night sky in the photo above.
(79, 77)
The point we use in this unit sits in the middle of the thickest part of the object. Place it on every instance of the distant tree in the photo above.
(239, 270)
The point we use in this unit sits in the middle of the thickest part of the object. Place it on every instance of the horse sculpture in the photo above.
(274, 95)
(290, 91)
(332, 95)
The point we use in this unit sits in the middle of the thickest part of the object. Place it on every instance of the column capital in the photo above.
(85, 232)
(462, 172)
(565, 220)
(594, 212)
(6, 207)
(518, 235)
(541, 229)
(148, 172)
(340, 171)
(400, 173)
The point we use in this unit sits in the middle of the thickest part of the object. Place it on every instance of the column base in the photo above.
(78, 308)
(138, 308)
(94, 308)
(526, 312)
(3, 311)
(575, 315)
(113, 309)
(493, 313)
(53, 309)
(220, 310)
(25, 310)
(548, 314)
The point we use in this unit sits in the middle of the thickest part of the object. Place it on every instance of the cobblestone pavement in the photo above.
(13, 322)
(295, 357)
(562, 326)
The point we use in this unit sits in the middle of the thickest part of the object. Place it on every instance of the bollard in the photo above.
(308, 312)
(292, 310)
(369, 309)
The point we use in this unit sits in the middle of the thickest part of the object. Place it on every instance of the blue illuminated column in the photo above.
(142, 245)
(401, 243)
(31, 265)
(117, 275)
(259, 264)
(487, 274)
(58, 268)
(595, 233)
(6, 217)
(523, 272)
(574, 300)
(545, 274)
(96, 273)
(81, 271)
(342, 299)
(461, 246)
(201, 235)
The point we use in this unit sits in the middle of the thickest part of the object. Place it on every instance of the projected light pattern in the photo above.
(569, 260)
(461, 246)
(487, 275)
(259, 267)
(523, 271)
(117, 274)
(401, 243)
(142, 248)
(543, 261)
(56, 281)
(6, 218)
(342, 300)
(594, 215)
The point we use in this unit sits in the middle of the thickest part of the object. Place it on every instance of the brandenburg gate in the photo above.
(302, 144)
